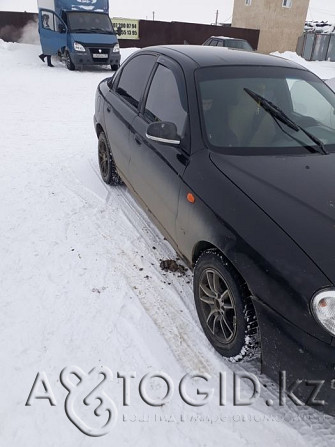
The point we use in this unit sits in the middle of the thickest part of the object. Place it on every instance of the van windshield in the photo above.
(89, 22)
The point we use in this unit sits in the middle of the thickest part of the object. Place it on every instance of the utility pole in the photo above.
(153, 15)
(216, 17)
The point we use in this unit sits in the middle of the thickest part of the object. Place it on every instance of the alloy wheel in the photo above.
(103, 158)
(218, 306)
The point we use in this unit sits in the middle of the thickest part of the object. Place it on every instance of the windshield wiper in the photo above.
(80, 30)
(102, 30)
(279, 115)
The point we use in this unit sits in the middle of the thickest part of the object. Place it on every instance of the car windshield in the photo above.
(239, 44)
(89, 22)
(233, 120)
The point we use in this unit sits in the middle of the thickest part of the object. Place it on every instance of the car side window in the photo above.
(166, 100)
(134, 77)
(47, 20)
(220, 43)
(214, 43)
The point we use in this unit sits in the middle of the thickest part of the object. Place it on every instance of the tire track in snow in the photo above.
(173, 313)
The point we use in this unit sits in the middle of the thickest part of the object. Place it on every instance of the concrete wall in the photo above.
(13, 25)
(279, 27)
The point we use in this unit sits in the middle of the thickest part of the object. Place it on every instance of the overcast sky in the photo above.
(179, 10)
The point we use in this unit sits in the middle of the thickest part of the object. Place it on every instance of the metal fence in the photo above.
(317, 47)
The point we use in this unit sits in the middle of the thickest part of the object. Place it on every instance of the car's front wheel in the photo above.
(68, 62)
(107, 165)
(224, 307)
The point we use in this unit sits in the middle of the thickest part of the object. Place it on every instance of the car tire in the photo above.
(224, 307)
(107, 165)
(68, 62)
(115, 67)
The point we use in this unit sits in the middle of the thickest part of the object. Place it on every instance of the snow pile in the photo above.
(324, 69)
(319, 27)
(7, 46)
(81, 285)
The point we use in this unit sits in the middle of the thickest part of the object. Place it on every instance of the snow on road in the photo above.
(81, 285)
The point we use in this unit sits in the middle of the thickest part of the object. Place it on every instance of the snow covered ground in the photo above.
(81, 285)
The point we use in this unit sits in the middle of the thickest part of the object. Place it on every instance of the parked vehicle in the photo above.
(79, 31)
(232, 155)
(228, 42)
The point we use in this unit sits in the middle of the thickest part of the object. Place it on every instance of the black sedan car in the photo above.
(232, 155)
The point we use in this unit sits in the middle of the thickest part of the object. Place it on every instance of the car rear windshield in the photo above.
(233, 118)
(239, 44)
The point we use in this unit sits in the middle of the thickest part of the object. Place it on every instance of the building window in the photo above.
(287, 3)
(248, 2)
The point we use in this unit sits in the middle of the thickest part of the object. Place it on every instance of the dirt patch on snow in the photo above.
(170, 265)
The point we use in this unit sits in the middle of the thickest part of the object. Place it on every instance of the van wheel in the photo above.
(107, 165)
(224, 307)
(68, 62)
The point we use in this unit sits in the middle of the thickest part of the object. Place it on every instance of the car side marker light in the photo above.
(190, 197)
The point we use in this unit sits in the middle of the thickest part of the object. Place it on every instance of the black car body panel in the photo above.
(271, 216)
(302, 185)
(305, 361)
(261, 261)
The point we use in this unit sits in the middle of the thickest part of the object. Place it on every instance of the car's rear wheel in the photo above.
(115, 67)
(68, 62)
(107, 165)
(224, 307)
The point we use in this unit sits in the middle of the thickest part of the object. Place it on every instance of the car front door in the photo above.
(53, 31)
(156, 168)
(122, 106)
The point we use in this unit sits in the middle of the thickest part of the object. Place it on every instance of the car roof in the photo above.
(200, 55)
(226, 38)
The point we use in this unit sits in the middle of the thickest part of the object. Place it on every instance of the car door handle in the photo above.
(138, 140)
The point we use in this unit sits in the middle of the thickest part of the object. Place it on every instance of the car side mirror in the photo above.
(110, 82)
(163, 132)
(61, 28)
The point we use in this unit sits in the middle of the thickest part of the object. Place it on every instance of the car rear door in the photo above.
(156, 168)
(122, 106)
